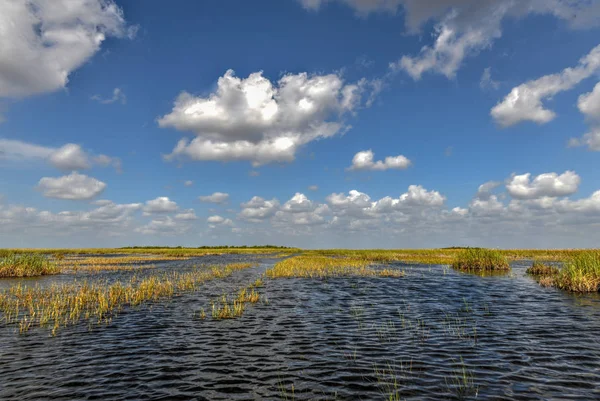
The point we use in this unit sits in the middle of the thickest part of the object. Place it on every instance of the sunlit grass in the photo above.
(97, 302)
(26, 265)
(542, 269)
(323, 267)
(479, 259)
(580, 274)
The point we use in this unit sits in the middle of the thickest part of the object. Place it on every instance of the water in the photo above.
(433, 334)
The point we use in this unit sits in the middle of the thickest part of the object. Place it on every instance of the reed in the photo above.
(97, 302)
(541, 269)
(322, 267)
(26, 265)
(580, 274)
(480, 260)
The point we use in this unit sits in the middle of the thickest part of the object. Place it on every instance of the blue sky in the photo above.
(346, 123)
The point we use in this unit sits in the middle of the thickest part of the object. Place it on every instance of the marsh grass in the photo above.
(323, 267)
(580, 274)
(542, 269)
(480, 260)
(96, 302)
(225, 309)
(462, 382)
(26, 265)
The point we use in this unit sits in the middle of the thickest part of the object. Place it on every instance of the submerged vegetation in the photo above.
(479, 259)
(26, 265)
(98, 302)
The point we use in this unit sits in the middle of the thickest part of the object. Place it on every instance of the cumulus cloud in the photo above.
(362, 7)
(44, 41)
(544, 185)
(466, 27)
(261, 121)
(70, 157)
(164, 225)
(74, 186)
(162, 204)
(117, 96)
(364, 161)
(188, 214)
(258, 209)
(589, 105)
(524, 102)
(66, 158)
(217, 197)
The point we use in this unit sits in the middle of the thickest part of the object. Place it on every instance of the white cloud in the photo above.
(188, 183)
(591, 140)
(217, 197)
(362, 7)
(589, 105)
(544, 185)
(261, 121)
(466, 27)
(164, 226)
(105, 161)
(74, 186)
(70, 157)
(364, 161)
(485, 190)
(258, 209)
(188, 214)
(313, 188)
(117, 96)
(45, 40)
(486, 81)
(162, 204)
(215, 219)
(66, 158)
(14, 150)
(524, 102)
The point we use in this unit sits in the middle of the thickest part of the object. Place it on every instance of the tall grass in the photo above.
(26, 265)
(323, 266)
(541, 269)
(581, 273)
(480, 259)
(97, 302)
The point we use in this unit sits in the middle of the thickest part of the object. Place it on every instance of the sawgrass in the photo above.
(480, 260)
(26, 265)
(97, 302)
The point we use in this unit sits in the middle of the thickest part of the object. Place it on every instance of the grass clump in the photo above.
(323, 267)
(580, 274)
(541, 269)
(26, 265)
(480, 259)
(97, 302)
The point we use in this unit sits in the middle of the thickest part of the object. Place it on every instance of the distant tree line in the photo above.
(208, 247)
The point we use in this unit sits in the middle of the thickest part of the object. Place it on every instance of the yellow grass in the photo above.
(60, 305)
(323, 266)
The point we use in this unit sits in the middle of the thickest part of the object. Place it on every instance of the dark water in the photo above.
(434, 334)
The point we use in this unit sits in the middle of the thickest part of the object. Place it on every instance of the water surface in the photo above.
(416, 337)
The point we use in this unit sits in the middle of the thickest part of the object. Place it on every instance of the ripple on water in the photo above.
(353, 338)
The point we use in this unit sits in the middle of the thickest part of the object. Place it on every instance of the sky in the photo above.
(310, 123)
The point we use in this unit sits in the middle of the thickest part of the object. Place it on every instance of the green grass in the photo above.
(26, 265)
(480, 260)
(541, 269)
(580, 274)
